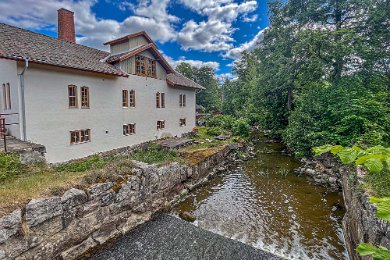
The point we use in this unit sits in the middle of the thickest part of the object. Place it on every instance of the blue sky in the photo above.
(201, 32)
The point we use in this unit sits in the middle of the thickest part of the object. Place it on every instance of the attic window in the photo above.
(140, 63)
(145, 66)
(152, 68)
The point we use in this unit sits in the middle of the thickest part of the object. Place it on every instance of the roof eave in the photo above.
(178, 85)
(130, 36)
(65, 67)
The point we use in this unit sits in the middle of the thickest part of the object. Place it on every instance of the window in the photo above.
(182, 100)
(182, 122)
(7, 96)
(125, 98)
(160, 124)
(152, 68)
(80, 136)
(132, 98)
(84, 97)
(140, 65)
(160, 100)
(129, 129)
(145, 66)
(72, 96)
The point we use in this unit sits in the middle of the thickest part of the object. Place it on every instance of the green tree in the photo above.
(210, 98)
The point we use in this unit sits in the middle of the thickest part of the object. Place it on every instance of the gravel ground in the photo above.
(167, 237)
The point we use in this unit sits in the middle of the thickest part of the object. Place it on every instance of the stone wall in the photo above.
(67, 226)
(360, 223)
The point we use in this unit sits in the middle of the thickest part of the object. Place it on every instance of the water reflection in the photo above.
(262, 203)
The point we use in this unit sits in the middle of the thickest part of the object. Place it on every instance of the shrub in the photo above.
(241, 128)
(214, 131)
(10, 165)
(223, 121)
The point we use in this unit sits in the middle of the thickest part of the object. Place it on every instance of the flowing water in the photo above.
(264, 204)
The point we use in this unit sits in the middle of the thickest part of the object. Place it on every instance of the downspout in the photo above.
(22, 118)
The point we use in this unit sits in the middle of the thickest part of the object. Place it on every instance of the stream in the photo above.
(262, 203)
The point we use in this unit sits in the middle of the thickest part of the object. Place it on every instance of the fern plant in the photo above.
(376, 159)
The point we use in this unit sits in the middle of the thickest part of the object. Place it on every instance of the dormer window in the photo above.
(140, 65)
(145, 66)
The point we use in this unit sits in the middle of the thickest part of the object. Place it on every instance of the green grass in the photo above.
(154, 154)
(93, 162)
(10, 166)
(378, 184)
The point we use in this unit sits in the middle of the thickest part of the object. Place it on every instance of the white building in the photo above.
(77, 101)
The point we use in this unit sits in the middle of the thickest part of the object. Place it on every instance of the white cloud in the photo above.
(196, 63)
(250, 19)
(149, 15)
(235, 53)
(207, 36)
(215, 33)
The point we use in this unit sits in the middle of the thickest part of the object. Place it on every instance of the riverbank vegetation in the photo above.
(320, 75)
(377, 162)
(19, 183)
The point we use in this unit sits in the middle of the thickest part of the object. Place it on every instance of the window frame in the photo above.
(160, 124)
(85, 91)
(162, 100)
(182, 100)
(141, 62)
(125, 98)
(158, 102)
(77, 136)
(75, 96)
(182, 122)
(129, 129)
(132, 98)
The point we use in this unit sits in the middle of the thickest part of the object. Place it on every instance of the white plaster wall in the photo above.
(49, 119)
(8, 74)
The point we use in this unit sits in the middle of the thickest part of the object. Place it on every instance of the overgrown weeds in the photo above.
(154, 153)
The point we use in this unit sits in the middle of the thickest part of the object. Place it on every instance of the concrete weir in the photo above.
(167, 237)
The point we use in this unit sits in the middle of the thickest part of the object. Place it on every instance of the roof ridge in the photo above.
(50, 37)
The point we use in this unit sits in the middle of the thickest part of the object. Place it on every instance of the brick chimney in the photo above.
(66, 25)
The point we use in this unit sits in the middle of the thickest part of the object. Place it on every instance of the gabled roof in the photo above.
(130, 36)
(150, 47)
(17, 43)
(176, 79)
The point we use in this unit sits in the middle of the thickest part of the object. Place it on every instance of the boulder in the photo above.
(10, 225)
(187, 216)
(40, 210)
(73, 197)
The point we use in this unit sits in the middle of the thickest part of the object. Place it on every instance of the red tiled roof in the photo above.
(178, 80)
(127, 37)
(17, 43)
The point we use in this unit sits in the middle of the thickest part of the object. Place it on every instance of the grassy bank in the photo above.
(19, 183)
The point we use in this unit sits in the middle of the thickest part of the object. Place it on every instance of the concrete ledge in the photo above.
(167, 237)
